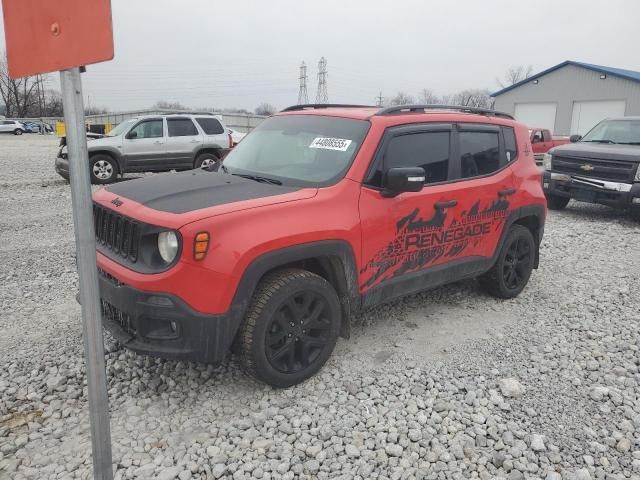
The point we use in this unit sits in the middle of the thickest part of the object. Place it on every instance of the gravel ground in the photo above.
(445, 384)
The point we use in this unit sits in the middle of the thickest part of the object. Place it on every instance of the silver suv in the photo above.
(153, 144)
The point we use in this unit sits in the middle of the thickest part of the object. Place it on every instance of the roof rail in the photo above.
(457, 108)
(313, 106)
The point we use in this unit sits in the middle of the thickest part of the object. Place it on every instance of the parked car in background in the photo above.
(322, 211)
(601, 167)
(236, 136)
(154, 143)
(31, 127)
(542, 141)
(12, 126)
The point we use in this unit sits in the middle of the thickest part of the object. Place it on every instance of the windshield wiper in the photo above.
(606, 140)
(257, 178)
(629, 143)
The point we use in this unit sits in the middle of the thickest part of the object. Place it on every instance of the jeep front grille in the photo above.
(595, 168)
(116, 233)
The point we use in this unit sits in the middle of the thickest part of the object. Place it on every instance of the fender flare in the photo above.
(340, 250)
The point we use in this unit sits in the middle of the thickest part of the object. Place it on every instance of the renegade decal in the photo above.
(339, 144)
(420, 242)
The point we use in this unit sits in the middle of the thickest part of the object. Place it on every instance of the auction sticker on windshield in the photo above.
(331, 143)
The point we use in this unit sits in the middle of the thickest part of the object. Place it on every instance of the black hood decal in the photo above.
(186, 191)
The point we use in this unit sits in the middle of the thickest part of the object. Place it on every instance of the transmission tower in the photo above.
(303, 98)
(379, 100)
(322, 96)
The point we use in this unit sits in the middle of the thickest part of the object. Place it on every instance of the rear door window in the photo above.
(211, 126)
(479, 153)
(181, 127)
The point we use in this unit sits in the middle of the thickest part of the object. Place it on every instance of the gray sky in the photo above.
(239, 53)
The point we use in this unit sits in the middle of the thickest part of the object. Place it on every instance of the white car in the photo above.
(12, 126)
(236, 136)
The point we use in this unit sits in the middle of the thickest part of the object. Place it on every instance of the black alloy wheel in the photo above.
(514, 264)
(298, 333)
(290, 327)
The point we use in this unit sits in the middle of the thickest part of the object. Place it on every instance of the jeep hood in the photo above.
(178, 194)
(603, 151)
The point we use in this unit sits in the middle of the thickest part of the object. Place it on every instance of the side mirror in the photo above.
(575, 138)
(132, 134)
(399, 180)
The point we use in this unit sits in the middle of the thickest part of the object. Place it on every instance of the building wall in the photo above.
(571, 84)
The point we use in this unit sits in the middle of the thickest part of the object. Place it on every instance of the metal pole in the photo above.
(87, 273)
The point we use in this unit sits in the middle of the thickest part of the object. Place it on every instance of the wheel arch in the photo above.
(116, 157)
(213, 149)
(333, 260)
(531, 217)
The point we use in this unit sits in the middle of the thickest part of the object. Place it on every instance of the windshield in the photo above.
(298, 149)
(615, 131)
(121, 128)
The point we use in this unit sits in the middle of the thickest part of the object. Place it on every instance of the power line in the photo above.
(322, 96)
(303, 98)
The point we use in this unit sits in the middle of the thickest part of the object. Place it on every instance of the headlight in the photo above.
(546, 161)
(637, 179)
(168, 246)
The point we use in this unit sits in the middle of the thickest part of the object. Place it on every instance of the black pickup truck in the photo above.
(601, 167)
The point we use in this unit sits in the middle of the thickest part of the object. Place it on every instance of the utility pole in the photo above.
(322, 95)
(303, 98)
(379, 100)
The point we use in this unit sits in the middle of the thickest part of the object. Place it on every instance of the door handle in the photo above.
(506, 192)
(445, 204)
(157, 142)
(195, 141)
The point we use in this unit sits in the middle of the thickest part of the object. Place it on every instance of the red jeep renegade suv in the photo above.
(321, 211)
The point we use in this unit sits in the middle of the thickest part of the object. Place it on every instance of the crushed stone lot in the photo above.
(450, 383)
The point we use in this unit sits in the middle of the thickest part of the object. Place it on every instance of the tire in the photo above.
(103, 169)
(511, 272)
(205, 160)
(554, 202)
(18, 131)
(278, 341)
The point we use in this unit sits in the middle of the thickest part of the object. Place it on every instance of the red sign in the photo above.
(49, 35)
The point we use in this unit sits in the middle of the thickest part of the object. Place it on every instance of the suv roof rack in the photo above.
(312, 106)
(458, 108)
(188, 113)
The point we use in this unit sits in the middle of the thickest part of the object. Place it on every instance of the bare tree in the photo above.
(402, 98)
(265, 109)
(515, 75)
(95, 110)
(20, 95)
(52, 104)
(165, 105)
(472, 97)
(428, 97)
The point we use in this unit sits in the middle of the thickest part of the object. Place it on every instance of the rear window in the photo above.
(511, 151)
(181, 127)
(211, 126)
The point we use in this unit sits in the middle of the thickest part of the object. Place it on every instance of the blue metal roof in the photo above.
(616, 72)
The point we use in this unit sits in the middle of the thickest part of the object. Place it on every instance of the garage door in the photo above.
(537, 115)
(586, 114)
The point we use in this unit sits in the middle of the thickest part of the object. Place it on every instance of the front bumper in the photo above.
(163, 325)
(584, 189)
(62, 167)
